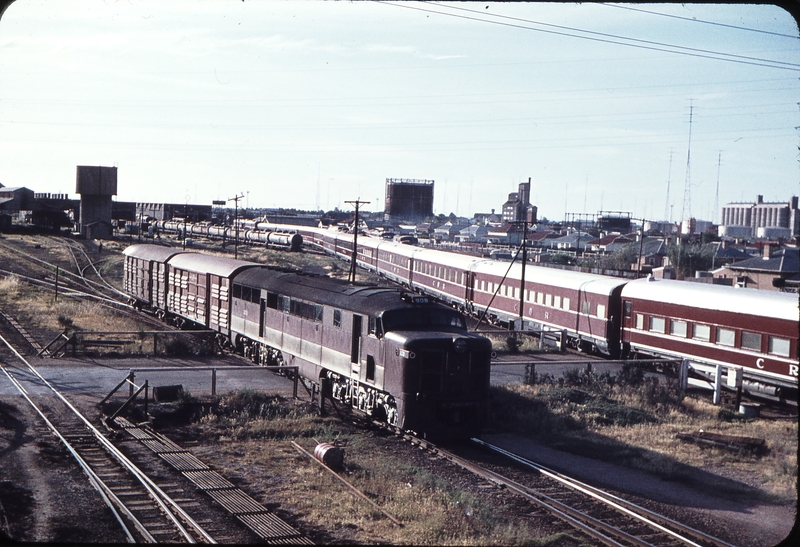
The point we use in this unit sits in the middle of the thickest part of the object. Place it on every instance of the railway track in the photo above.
(144, 511)
(599, 515)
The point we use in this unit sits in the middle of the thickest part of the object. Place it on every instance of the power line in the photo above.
(693, 20)
(608, 38)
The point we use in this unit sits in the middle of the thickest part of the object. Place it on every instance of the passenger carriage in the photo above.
(714, 325)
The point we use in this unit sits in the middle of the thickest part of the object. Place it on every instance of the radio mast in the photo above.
(687, 188)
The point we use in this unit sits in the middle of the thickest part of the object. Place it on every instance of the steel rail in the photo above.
(53, 266)
(91, 264)
(645, 515)
(167, 504)
(108, 496)
(579, 520)
(66, 291)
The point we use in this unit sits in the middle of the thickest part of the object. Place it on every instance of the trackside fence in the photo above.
(136, 391)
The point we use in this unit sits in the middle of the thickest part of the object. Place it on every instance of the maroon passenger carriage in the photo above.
(711, 325)
(396, 356)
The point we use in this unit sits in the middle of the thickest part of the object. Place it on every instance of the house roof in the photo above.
(786, 260)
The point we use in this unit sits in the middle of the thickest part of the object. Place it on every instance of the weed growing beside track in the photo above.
(633, 421)
(247, 437)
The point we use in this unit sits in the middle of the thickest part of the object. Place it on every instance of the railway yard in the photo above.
(233, 451)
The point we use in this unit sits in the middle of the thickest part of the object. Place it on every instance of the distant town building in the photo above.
(761, 219)
(518, 206)
(772, 271)
(408, 199)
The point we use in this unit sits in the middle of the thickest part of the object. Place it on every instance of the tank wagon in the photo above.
(252, 232)
(753, 329)
(394, 355)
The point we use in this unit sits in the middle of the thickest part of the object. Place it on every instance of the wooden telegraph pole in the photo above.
(352, 276)
(236, 223)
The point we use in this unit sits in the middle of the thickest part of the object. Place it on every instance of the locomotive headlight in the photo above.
(405, 354)
(460, 345)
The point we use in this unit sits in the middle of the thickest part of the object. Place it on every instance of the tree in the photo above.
(688, 258)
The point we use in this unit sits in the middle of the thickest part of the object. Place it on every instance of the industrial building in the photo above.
(408, 200)
(518, 206)
(761, 220)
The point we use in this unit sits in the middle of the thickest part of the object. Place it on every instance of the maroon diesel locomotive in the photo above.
(395, 356)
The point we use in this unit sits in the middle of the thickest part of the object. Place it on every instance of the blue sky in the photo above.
(311, 104)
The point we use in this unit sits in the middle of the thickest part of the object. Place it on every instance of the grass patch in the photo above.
(632, 420)
(247, 437)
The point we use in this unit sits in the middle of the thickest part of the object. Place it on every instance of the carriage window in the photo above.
(565, 303)
(272, 300)
(751, 340)
(337, 318)
(548, 300)
(556, 301)
(601, 311)
(657, 324)
(677, 328)
(246, 293)
(640, 321)
(586, 307)
(539, 298)
(701, 332)
(628, 308)
(237, 291)
(778, 346)
(726, 337)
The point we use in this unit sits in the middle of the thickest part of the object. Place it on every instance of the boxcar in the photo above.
(145, 274)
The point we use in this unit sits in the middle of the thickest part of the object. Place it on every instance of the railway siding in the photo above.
(268, 526)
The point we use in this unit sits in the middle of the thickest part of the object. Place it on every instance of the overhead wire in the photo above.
(702, 21)
(601, 36)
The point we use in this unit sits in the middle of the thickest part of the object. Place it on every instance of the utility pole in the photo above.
(522, 281)
(236, 199)
(352, 276)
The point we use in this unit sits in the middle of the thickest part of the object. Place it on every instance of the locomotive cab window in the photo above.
(374, 327)
(337, 318)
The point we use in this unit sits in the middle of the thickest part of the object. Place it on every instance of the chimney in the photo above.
(766, 251)
(760, 199)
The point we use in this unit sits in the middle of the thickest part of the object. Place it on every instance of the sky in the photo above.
(663, 111)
